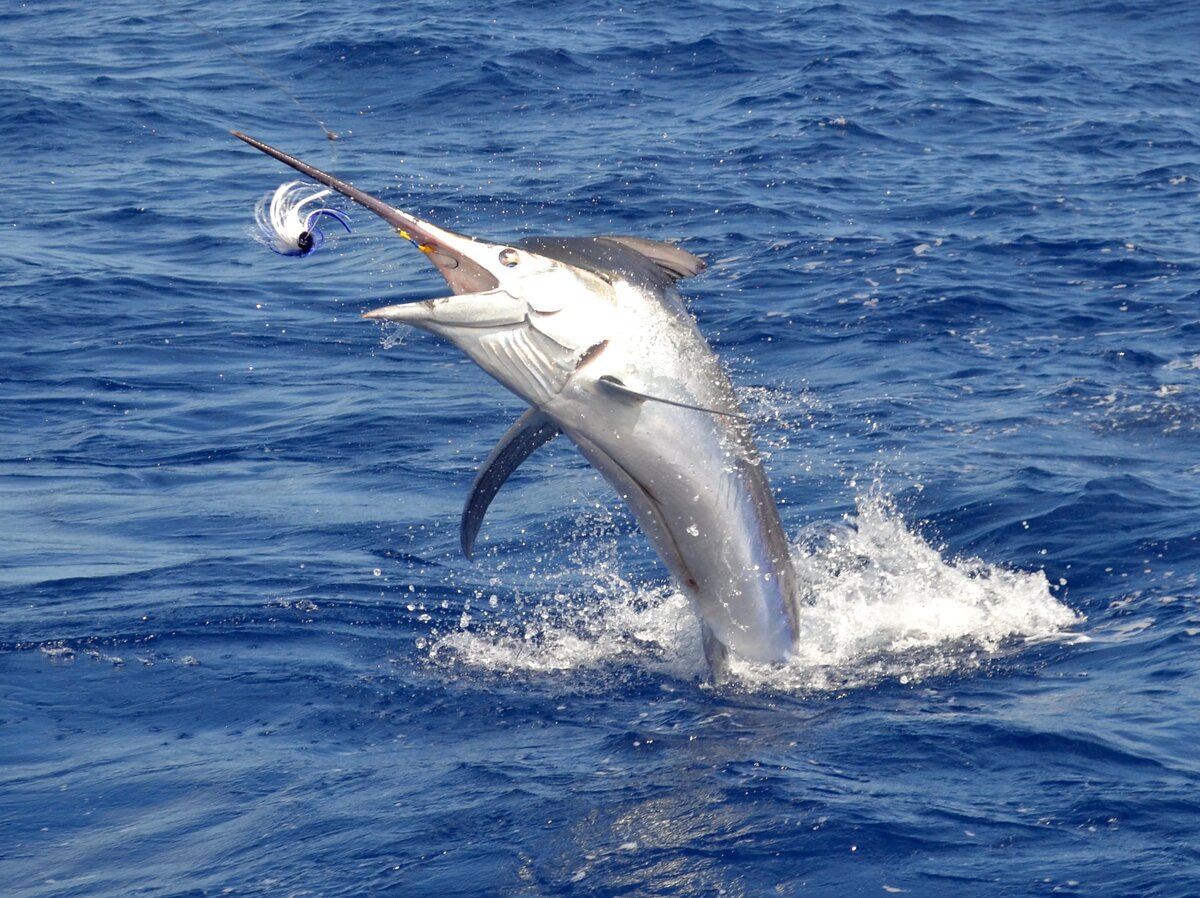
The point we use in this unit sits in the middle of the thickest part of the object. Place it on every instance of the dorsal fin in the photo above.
(531, 430)
(676, 262)
(651, 262)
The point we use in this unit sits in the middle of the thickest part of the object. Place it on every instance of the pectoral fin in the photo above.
(532, 430)
(617, 387)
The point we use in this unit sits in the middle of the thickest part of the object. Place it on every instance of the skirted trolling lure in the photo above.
(286, 228)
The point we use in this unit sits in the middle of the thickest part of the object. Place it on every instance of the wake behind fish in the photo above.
(882, 604)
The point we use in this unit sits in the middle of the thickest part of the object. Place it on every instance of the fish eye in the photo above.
(509, 257)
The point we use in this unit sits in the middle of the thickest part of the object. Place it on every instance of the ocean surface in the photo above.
(954, 272)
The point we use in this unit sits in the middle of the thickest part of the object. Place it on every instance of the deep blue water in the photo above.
(955, 269)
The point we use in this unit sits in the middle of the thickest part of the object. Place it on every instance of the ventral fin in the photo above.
(614, 386)
(716, 654)
(532, 430)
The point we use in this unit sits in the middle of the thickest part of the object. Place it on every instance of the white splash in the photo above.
(653, 626)
(883, 605)
(886, 604)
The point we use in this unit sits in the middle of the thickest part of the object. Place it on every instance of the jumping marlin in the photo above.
(592, 333)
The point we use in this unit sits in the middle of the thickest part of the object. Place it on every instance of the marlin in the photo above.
(592, 333)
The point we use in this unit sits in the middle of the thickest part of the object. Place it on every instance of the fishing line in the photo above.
(286, 225)
(330, 135)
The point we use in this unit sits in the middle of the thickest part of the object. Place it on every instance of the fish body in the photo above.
(593, 335)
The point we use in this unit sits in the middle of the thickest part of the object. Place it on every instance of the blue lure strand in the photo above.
(284, 225)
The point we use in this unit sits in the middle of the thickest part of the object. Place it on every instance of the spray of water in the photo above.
(882, 604)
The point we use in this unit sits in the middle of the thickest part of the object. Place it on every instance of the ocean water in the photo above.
(954, 269)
